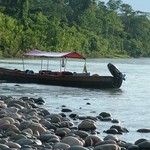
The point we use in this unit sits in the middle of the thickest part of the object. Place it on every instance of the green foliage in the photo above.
(90, 27)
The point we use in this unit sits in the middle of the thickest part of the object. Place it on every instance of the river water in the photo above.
(130, 104)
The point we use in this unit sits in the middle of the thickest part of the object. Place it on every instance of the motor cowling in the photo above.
(115, 71)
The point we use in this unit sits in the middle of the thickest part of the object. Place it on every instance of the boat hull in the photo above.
(100, 82)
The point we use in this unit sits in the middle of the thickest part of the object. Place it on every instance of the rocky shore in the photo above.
(25, 125)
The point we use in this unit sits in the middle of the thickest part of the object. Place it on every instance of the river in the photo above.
(129, 104)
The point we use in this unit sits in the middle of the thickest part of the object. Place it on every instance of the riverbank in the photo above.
(26, 125)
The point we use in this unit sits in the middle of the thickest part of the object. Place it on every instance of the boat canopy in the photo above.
(38, 53)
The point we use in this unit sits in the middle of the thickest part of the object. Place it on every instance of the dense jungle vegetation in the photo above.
(89, 27)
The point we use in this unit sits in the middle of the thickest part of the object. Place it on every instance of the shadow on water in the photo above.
(110, 91)
(47, 90)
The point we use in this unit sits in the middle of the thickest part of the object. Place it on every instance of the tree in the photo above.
(24, 11)
(11, 7)
(79, 7)
(114, 5)
(90, 27)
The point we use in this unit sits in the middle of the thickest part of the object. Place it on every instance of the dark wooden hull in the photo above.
(100, 82)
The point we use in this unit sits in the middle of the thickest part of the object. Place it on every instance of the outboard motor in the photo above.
(118, 76)
(115, 71)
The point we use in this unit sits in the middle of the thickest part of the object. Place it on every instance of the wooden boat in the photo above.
(63, 78)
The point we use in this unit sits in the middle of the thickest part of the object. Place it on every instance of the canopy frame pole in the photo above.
(23, 63)
(85, 68)
(65, 64)
(41, 63)
(60, 64)
(47, 63)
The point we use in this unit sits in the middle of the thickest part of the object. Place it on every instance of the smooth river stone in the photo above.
(70, 140)
(11, 110)
(47, 137)
(3, 147)
(107, 147)
(60, 145)
(14, 115)
(33, 126)
(81, 134)
(10, 119)
(4, 122)
(55, 118)
(27, 131)
(92, 140)
(87, 125)
(18, 136)
(2, 104)
(145, 145)
(19, 102)
(62, 132)
(78, 148)
(25, 141)
(13, 145)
